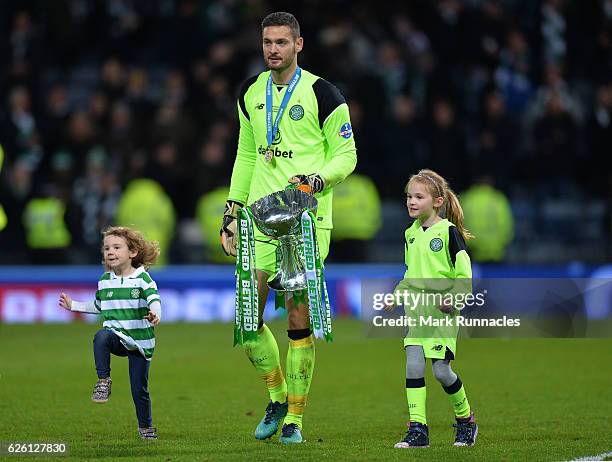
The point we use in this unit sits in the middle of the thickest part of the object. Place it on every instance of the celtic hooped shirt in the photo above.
(123, 303)
(314, 136)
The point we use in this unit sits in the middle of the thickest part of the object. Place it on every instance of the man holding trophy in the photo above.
(294, 130)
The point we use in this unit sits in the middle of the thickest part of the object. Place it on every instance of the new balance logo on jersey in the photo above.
(437, 347)
(277, 152)
(260, 106)
(411, 240)
(109, 294)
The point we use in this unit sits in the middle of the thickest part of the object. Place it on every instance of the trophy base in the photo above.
(297, 283)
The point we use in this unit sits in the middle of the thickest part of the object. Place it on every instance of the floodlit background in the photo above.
(124, 112)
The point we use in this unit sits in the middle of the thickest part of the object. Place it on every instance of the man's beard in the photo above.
(282, 64)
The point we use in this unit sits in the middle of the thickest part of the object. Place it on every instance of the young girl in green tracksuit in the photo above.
(439, 269)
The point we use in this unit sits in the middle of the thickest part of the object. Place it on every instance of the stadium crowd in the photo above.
(97, 93)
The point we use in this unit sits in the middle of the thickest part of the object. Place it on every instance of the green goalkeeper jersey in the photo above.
(314, 136)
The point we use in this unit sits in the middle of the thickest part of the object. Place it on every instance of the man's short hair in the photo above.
(281, 18)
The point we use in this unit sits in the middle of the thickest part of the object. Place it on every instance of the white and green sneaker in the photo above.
(268, 426)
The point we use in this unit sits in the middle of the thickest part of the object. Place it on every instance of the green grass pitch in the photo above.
(535, 399)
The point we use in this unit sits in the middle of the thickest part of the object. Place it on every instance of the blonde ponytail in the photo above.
(454, 213)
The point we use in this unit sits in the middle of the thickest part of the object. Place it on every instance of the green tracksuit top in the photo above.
(314, 136)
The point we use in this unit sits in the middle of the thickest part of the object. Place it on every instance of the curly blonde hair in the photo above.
(147, 251)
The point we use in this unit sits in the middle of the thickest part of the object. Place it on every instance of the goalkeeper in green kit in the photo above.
(294, 128)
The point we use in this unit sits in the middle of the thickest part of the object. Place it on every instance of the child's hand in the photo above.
(448, 309)
(65, 301)
(152, 318)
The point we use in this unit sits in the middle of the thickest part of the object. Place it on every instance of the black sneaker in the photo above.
(102, 390)
(466, 431)
(149, 433)
(417, 436)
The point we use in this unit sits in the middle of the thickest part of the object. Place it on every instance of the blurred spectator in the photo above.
(213, 166)
(167, 169)
(127, 24)
(485, 30)
(146, 207)
(496, 140)
(81, 135)
(99, 109)
(555, 86)
(46, 230)
(513, 76)
(15, 190)
(174, 125)
(95, 194)
(418, 53)
(175, 91)
(555, 137)
(24, 48)
(137, 93)
(599, 131)
(124, 136)
(184, 34)
(404, 150)
(553, 29)
(113, 79)
(445, 146)
(209, 206)
(488, 216)
(392, 69)
(56, 115)
(19, 125)
(357, 218)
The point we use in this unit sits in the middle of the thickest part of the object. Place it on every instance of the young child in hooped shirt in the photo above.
(129, 303)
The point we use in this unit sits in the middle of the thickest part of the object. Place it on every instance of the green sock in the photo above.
(416, 394)
(458, 399)
(263, 354)
(300, 366)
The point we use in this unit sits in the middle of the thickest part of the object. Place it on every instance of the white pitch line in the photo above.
(603, 456)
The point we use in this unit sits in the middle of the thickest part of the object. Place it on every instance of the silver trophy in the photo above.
(278, 216)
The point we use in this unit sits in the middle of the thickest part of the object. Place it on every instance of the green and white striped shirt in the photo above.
(123, 303)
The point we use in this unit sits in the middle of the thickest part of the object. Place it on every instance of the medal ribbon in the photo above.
(272, 129)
